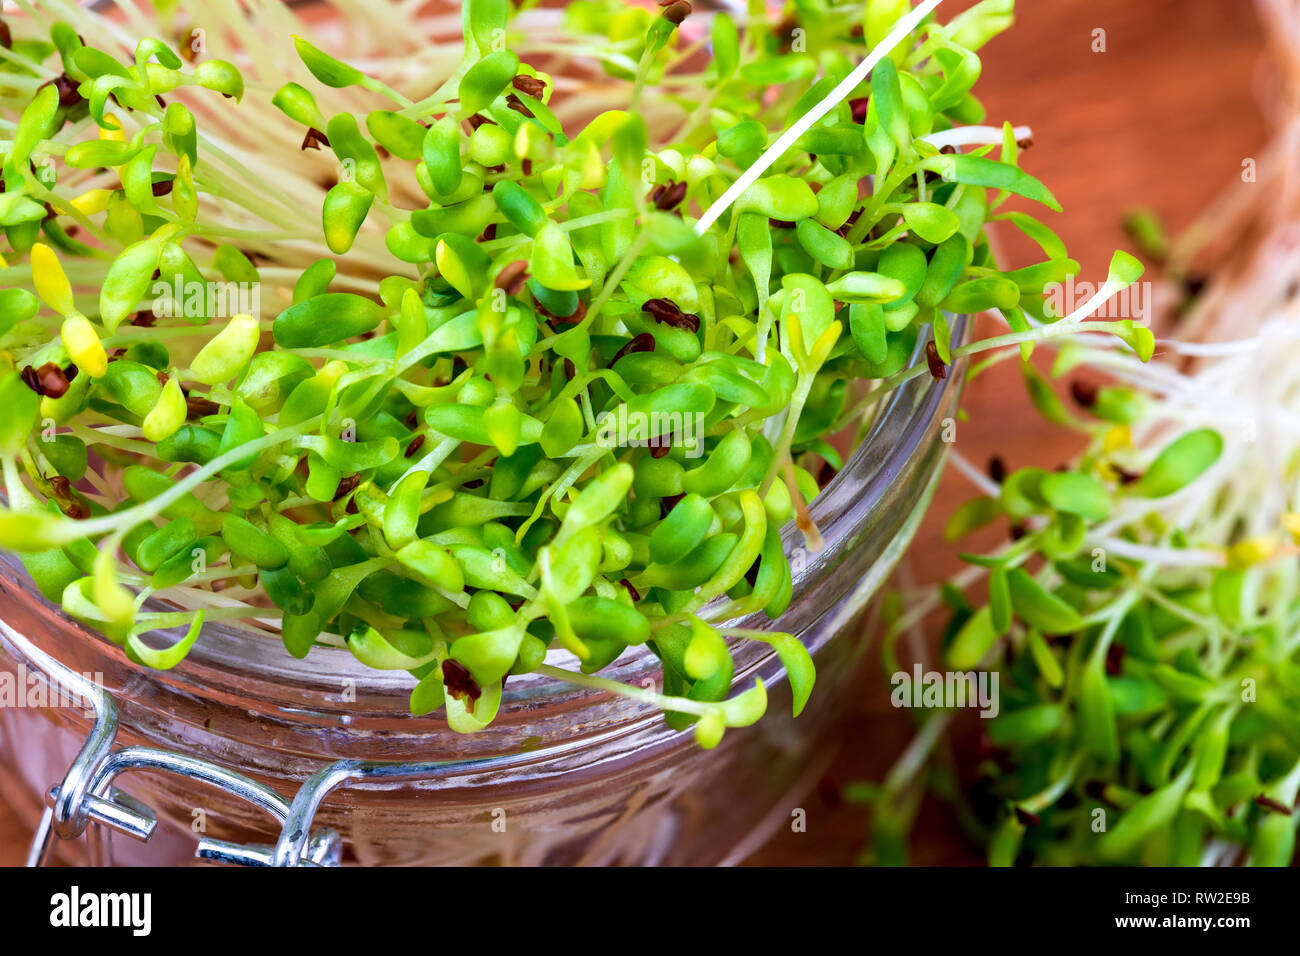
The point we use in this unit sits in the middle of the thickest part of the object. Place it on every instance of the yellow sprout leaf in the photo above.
(115, 601)
(1253, 551)
(228, 352)
(794, 325)
(118, 134)
(83, 345)
(822, 347)
(453, 270)
(92, 201)
(1291, 522)
(594, 174)
(168, 415)
(1121, 436)
(50, 280)
(526, 142)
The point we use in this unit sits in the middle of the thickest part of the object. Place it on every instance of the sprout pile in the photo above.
(471, 264)
(1146, 640)
(1144, 617)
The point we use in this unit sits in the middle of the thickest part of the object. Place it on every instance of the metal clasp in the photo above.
(86, 796)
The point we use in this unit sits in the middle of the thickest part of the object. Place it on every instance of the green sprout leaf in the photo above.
(1076, 494)
(326, 318)
(333, 73)
(1039, 608)
(978, 171)
(1180, 463)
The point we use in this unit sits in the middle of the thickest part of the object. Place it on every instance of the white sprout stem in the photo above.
(430, 462)
(972, 474)
(1251, 383)
(1270, 335)
(918, 750)
(960, 136)
(72, 530)
(787, 139)
(1166, 557)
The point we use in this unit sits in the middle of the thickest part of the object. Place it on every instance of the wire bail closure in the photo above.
(87, 796)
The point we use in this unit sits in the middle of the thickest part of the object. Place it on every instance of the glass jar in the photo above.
(564, 775)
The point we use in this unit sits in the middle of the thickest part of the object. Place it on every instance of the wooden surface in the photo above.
(1163, 118)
